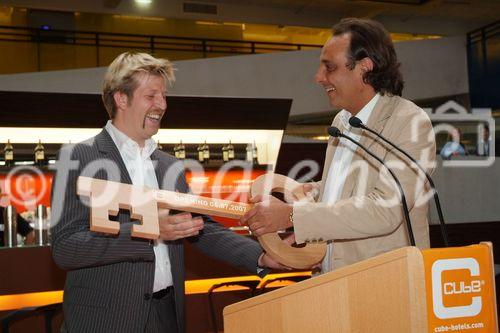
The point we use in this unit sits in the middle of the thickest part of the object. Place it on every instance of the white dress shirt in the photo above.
(339, 167)
(142, 172)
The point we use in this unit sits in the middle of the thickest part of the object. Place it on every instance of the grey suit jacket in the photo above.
(110, 278)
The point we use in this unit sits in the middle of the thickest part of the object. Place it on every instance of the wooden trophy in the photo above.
(107, 197)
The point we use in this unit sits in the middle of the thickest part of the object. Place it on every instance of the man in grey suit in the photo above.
(119, 283)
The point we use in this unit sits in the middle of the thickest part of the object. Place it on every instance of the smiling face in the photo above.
(139, 117)
(345, 86)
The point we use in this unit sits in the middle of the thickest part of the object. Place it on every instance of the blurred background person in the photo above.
(453, 146)
(483, 148)
(23, 227)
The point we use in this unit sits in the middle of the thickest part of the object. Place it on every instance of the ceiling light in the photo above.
(321, 138)
(143, 2)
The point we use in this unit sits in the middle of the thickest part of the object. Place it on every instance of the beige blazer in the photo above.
(368, 218)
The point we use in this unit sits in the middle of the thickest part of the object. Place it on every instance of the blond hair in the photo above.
(123, 73)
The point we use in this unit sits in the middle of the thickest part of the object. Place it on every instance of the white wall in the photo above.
(467, 194)
(431, 68)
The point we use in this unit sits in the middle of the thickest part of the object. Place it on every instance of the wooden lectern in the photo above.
(405, 290)
(382, 294)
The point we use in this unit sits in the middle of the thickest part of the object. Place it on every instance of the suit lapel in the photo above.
(381, 112)
(107, 146)
(378, 118)
(160, 168)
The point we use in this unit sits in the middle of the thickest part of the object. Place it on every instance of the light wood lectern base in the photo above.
(404, 291)
(370, 296)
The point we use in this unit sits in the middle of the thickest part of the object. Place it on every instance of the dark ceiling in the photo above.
(447, 17)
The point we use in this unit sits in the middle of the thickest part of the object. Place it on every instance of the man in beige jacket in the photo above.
(358, 210)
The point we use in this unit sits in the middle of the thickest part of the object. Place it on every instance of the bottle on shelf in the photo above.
(39, 154)
(251, 153)
(255, 159)
(206, 152)
(176, 151)
(201, 154)
(180, 151)
(158, 145)
(225, 154)
(228, 152)
(8, 153)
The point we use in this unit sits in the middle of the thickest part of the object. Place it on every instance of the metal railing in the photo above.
(150, 43)
(479, 35)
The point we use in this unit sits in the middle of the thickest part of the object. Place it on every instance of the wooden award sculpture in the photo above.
(107, 197)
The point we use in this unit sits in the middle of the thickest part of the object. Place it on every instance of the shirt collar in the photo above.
(363, 114)
(126, 144)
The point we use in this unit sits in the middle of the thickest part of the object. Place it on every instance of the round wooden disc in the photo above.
(295, 257)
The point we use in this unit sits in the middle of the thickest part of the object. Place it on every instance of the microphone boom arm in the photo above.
(356, 122)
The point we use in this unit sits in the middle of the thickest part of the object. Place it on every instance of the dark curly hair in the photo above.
(370, 39)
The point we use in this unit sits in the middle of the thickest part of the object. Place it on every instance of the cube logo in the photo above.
(455, 288)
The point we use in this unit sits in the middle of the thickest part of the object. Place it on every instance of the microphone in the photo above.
(357, 123)
(335, 132)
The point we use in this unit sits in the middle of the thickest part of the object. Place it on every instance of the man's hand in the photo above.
(178, 226)
(269, 214)
(265, 260)
(311, 189)
(30, 238)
